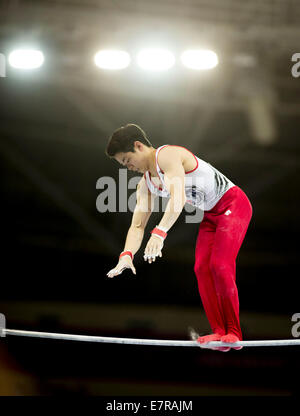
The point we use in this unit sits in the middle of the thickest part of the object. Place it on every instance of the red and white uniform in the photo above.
(204, 185)
(227, 214)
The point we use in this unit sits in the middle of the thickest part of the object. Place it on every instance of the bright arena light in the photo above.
(26, 59)
(199, 59)
(112, 59)
(155, 59)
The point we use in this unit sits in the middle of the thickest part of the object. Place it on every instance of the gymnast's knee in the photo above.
(200, 269)
(222, 271)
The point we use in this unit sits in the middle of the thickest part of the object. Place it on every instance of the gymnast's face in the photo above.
(134, 161)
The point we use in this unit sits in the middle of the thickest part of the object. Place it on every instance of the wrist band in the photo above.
(126, 253)
(158, 232)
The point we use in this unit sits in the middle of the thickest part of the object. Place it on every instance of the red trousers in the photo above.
(220, 237)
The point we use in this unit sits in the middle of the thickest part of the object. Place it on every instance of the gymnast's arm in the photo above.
(174, 178)
(171, 163)
(143, 209)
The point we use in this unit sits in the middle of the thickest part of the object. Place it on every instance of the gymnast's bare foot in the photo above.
(212, 337)
(231, 338)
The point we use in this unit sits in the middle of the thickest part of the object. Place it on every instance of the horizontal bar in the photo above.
(159, 342)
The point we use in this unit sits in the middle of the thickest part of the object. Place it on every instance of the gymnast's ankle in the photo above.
(230, 338)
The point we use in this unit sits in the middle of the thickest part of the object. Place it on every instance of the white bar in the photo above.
(135, 341)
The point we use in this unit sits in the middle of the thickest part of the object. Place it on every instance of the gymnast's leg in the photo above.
(230, 233)
(206, 285)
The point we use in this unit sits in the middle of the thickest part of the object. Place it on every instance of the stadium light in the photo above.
(155, 59)
(199, 59)
(26, 59)
(112, 59)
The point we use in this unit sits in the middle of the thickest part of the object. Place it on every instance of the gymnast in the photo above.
(176, 173)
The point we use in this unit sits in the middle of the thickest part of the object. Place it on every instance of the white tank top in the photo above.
(204, 185)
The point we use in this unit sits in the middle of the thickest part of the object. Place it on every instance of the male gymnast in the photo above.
(176, 173)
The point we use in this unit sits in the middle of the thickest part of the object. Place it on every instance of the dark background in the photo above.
(56, 248)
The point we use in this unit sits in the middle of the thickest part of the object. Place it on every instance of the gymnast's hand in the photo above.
(125, 262)
(153, 248)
